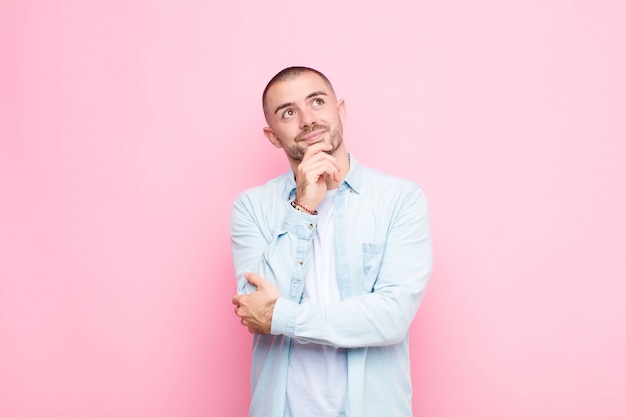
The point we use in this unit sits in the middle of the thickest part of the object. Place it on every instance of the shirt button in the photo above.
(310, 226)
(301, 262)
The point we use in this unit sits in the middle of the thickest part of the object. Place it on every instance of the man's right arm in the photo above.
(272, 241)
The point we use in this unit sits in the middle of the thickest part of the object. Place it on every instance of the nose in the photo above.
(307, 118)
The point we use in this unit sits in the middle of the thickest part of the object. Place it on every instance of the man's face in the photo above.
(302, 111)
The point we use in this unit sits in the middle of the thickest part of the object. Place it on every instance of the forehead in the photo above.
(297, 88)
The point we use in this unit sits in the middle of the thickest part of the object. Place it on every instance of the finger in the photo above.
(236, 299)
(315, 170)
(317, 151)
(317, 165)
(254, 279)
(317, 148)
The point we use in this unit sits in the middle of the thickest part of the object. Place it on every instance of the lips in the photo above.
(312, 136)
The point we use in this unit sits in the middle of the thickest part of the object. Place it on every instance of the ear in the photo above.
(271, 136)
(341, 109)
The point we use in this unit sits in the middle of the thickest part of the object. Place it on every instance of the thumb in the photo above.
(254, 279)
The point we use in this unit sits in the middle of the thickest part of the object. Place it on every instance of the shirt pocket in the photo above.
(372, 258)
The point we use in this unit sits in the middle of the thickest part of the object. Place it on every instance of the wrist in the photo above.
(301, 207)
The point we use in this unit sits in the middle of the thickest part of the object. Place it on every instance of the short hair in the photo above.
(290, 73)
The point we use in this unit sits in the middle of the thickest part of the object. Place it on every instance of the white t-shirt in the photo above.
(317, 375)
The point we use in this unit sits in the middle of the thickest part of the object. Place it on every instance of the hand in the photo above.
(256, 309)
(317, 167)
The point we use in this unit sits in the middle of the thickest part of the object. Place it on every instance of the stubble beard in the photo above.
(335, 138)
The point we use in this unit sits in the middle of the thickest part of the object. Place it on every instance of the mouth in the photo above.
(313, 136)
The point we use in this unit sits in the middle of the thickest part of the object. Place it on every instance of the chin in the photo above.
(335, 146)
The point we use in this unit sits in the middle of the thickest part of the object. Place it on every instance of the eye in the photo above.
(288, 114)
(317, 102)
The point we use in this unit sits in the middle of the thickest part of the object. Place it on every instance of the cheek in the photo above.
(286, 134)
(291, 131)
(333, 118)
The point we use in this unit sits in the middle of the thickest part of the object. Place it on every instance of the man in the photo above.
(332, 260)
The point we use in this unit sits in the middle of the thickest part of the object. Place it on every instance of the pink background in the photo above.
(128, 127)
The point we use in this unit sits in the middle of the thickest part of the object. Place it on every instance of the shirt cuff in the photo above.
(299, 223)
(284, 317)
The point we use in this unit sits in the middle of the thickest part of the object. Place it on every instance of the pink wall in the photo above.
(128, 127)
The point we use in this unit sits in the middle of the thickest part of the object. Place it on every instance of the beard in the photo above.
(296, 151)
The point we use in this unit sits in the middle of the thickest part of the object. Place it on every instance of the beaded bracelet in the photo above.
(300, 207)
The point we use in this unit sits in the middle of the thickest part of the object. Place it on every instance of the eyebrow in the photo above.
(313, 94)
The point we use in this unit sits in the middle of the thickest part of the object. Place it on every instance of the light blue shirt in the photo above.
(383, 258)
